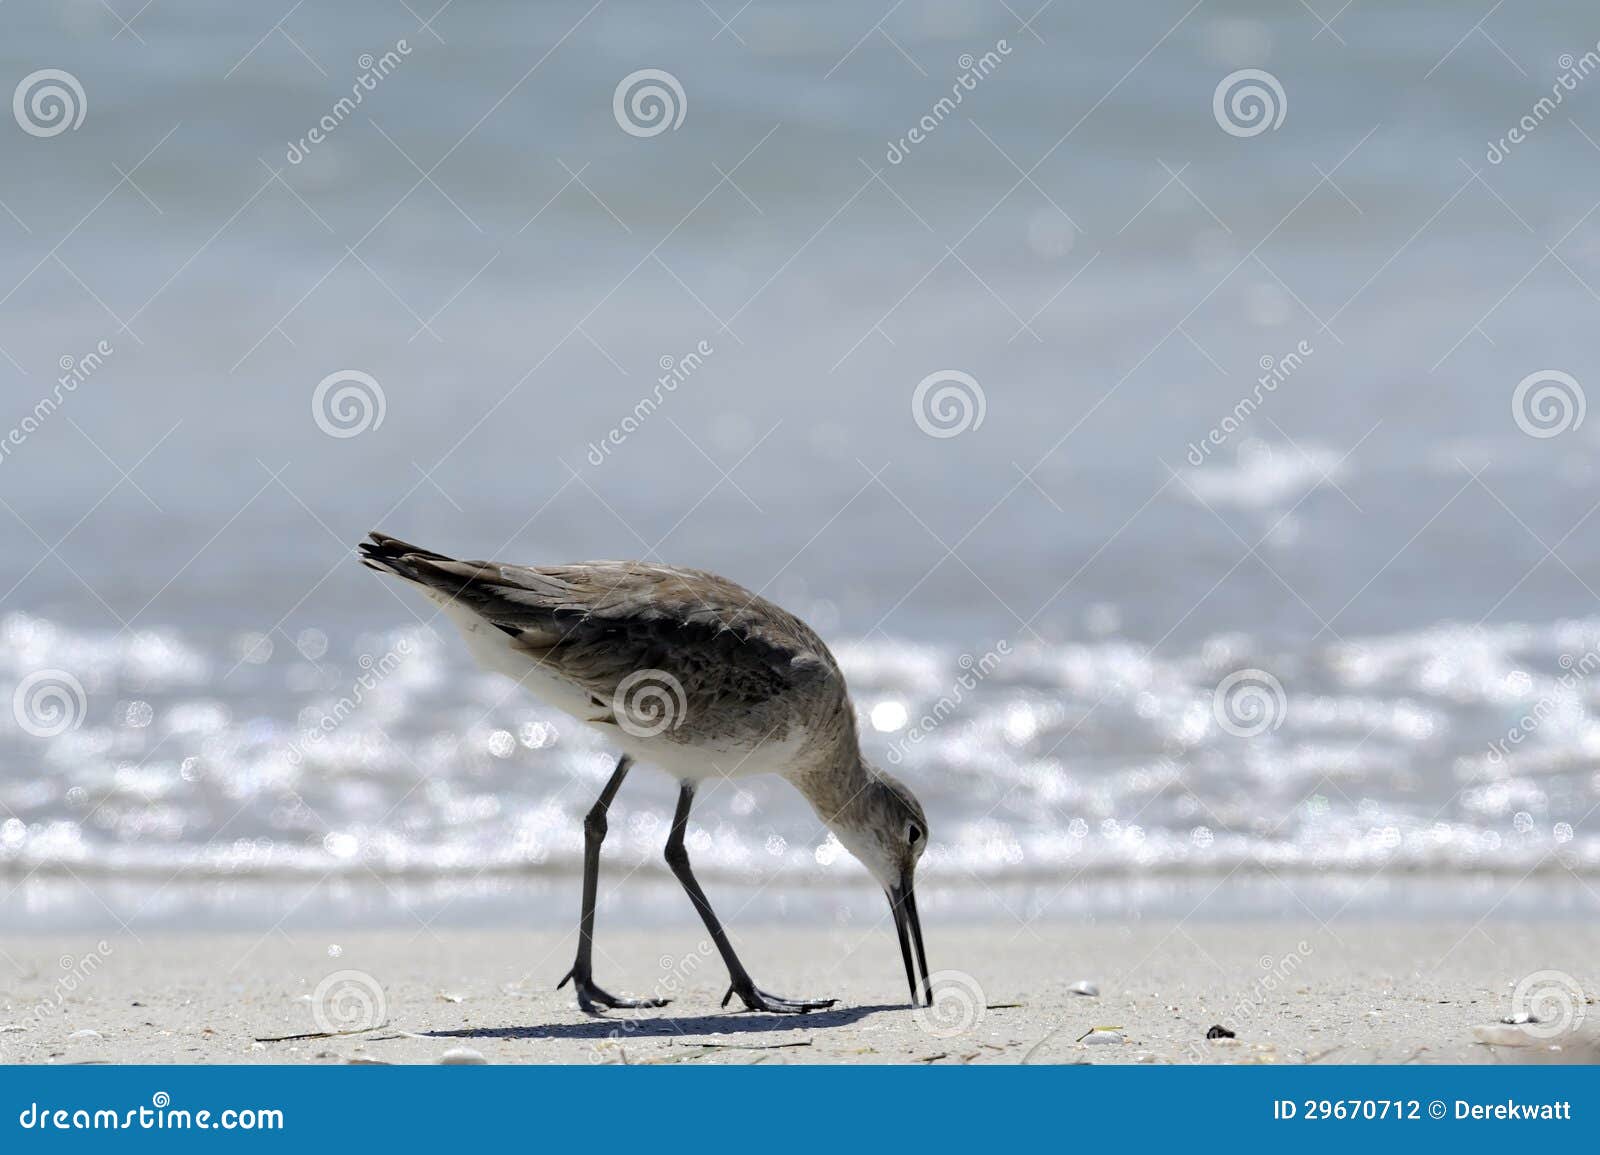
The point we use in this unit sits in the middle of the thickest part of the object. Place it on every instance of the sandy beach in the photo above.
(1292, 993)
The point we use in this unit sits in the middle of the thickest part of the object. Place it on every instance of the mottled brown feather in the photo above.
(744, 663)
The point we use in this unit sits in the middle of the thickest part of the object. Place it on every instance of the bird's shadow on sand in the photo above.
(620, 1025)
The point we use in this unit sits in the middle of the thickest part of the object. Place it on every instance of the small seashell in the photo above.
(1220, 1032)
(1103, 1038)
(84, 1034)
(461, 1057)
(1086, 988)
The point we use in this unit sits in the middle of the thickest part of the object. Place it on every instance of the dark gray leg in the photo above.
(678, 858)
(594, 833)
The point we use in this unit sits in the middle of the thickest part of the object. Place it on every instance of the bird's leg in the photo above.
(594, 833)
(754, 998)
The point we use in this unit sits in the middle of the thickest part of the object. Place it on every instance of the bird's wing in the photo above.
(597, 623)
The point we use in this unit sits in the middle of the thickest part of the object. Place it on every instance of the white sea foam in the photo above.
(1095, 757)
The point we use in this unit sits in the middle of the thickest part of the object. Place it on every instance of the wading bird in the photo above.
(702, 678)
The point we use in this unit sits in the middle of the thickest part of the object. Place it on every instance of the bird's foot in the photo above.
(756, 999)
(591, 997)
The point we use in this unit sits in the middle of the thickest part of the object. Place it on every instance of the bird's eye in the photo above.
(914, 834)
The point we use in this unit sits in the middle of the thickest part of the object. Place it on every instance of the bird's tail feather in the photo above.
(391, 555)
(436, 571)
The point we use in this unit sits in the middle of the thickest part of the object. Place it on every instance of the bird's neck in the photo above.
(835, 785)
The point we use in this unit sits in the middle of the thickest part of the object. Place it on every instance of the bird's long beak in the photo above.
(903, 903)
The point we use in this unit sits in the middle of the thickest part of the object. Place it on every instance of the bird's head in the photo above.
(883, 825)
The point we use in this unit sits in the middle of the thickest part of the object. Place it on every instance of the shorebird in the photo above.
(702, 678)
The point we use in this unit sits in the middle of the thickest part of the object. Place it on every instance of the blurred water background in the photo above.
(481, 238)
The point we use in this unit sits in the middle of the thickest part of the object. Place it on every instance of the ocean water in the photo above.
(1192, 507)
